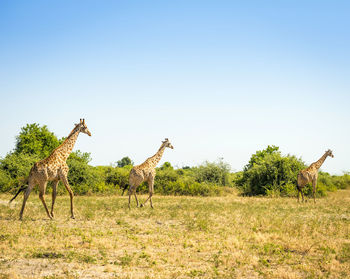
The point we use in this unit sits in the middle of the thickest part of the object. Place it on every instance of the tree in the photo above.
(260, 154)
(36, 140)
(18, 165)
(268, 172)
(213, 172)
(125, 161)
(118, 176)
(83, 157)
(82, 177)
(166, 165)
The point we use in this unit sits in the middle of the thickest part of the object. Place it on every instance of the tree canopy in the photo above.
(125, 161)
(269, 171)
(36, 140)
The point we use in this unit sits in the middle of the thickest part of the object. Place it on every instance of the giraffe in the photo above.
(53, 168)
(310, 174)
(146, 172)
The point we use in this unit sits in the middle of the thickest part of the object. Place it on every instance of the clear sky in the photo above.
(218, 78)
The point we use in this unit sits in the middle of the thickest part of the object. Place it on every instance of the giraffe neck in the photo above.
(67, 146)
(157, 157)
(319, 163)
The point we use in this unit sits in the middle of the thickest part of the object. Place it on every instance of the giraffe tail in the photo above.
(20, 190)
(124, 188)
(25, 182)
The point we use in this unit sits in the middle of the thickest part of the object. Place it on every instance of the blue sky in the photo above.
(218, 78)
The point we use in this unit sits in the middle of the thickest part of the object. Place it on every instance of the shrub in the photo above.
(164, 176)
(118, 176)
(18, 165)
(125, 161)
(270, 173)
(215, 172)
(82, 177)
(5, 181)
(14, 169)
(37, 140)
(342, 182)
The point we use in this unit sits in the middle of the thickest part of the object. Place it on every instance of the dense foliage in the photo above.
(268, 172)
(125, 161)
(205, 180)
(36, 140)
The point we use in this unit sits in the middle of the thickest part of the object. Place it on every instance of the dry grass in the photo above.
(183, 237)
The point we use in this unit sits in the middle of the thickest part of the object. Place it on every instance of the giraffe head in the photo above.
(82, 127)
(329, 153)
(167, 143)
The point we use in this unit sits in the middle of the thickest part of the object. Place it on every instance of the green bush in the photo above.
(118, 176)
(15, 169)
(270, 173)
(164, 176)
(125, 161)
(215, 172)
(342, 182)
(18, 165)
(5, 181)
(82, 177)
(326, 181)
(37, 140)
(207, 179)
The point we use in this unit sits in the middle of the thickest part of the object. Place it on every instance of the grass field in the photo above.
(183, 237)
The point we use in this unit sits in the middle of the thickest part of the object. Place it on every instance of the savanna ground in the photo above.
(183, 237)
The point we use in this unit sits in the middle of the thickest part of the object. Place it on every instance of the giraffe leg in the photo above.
(54, 194)
(298, 194)
(137, 201)
(302, 195)
(150, 189)
(149, 198)
(26, 195)
(132, 190)
(314, 189)
(42, 189)
(71, 194)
